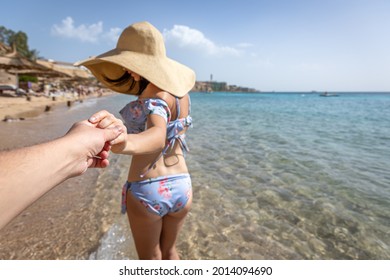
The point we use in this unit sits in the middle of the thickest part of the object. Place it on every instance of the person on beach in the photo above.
(28, 173)
(158, 193)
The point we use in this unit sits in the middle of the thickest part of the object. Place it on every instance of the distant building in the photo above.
(210, 86)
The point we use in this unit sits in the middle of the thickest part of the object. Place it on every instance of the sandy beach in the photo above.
(66, 222)
(19, 108)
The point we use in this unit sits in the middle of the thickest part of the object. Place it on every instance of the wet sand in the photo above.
(58, 226)
(14, 108)
(66, 222)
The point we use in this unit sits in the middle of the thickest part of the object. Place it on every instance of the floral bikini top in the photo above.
(135, 116)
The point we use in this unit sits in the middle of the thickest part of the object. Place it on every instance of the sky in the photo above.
(269, 45)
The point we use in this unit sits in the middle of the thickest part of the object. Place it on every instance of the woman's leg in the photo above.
(146, 229)
(171, 225)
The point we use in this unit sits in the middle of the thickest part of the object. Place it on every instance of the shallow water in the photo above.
(283, 176)
(66, 223)
(275, 176)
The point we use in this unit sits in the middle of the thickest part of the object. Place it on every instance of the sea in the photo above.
(289, 175)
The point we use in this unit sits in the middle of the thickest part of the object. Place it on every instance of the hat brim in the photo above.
(165, 73)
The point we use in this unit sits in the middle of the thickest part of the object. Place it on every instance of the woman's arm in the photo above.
(149, 141)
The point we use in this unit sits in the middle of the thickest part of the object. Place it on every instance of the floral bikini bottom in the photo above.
(160, 195)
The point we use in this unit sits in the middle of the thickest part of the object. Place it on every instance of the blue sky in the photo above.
(269, 45)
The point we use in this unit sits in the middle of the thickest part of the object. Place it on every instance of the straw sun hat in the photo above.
(141, 49)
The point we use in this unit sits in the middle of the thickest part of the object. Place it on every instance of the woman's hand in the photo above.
(104, 119)
(89, 146)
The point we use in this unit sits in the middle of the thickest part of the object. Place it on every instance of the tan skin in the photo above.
(28, 173)
(154, 236)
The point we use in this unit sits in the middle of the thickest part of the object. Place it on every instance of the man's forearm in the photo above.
(28, 173)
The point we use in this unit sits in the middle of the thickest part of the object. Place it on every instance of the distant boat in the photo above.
(326, 94)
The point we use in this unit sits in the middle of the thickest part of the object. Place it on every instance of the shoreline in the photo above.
(21, 108)
(67, 222)
(61, 224)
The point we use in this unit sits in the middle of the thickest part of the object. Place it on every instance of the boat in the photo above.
(327, 94)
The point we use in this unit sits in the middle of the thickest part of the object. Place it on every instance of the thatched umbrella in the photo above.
(73, 72)
(14, 61)
(16, 64)
(49, 73)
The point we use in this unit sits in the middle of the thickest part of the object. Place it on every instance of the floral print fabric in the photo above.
(160, 195)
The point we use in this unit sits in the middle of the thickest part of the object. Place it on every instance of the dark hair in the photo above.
(127, 78)
(143, 83)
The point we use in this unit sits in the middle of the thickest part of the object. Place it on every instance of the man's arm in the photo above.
(28, 173)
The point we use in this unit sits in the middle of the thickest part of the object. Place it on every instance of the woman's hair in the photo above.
(127, 78)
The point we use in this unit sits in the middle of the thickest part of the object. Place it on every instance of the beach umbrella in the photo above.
(48, 73)
(14, 61)
(17, 64)
(71, 71)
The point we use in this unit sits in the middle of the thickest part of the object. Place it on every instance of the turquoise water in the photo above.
(275, 176)
(279, 176)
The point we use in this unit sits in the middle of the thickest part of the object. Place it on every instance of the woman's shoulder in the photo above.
(163, 96)
(153, 92)
(167, 97)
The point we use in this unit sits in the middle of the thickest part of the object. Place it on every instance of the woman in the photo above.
(157, 195)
